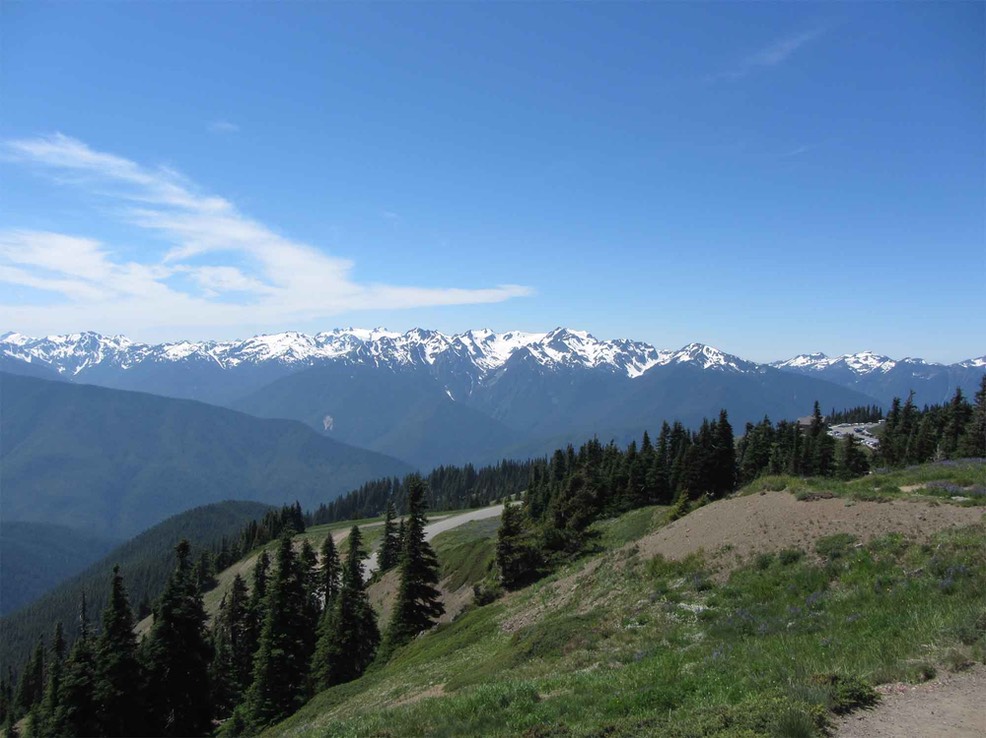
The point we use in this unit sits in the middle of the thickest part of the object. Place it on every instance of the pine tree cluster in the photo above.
(956, 429)
(304, 624)
(447, 488)
(859, 414)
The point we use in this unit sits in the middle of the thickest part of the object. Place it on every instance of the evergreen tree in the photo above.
(347, 635)
(755, 450)
(418, 603)
(851, 461)
(958, 413)
(10, 727)
(907, 431)
(77, 712)
(400, 537)
(44, 725)
(280, 666)
(923, 446)
(724, 457)
(261, 571)
(258, 600)
(232, 664)
(6, 694)
(516, 556)
(973, 443)
(204, 572)
(888, 452)
(390, 545)
(118, 676)
(177, 654)
(331, 574)
(31, 686)
(661, 468)
(312, 584)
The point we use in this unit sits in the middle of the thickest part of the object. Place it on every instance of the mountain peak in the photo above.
(708, 357)
(475, 352)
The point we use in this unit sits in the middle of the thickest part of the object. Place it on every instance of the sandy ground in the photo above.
(951, 706)
(731, 531)
(735, 529)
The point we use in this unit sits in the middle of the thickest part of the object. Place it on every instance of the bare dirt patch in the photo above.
(731, 531)
(948, 707)
(383, 594)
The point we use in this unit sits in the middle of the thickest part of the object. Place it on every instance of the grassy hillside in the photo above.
(771, 635)
(145, 562)
(37, 556)
(115, 463)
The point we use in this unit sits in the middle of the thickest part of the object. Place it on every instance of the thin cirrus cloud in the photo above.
(219, 267)
(772, 55)
(223, 126)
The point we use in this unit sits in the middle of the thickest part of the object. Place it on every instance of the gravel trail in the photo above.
(951, 706)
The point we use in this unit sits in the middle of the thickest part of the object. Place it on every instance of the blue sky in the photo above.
(767, 178)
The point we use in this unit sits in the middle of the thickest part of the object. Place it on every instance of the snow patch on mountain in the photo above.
(709, 357)
(861, 363)
(484, 350)
(974, 363)
(474, 353)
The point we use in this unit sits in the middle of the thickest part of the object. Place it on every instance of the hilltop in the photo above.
(671, 628)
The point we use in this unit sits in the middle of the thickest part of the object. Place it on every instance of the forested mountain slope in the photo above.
(146, 561)
(34, 557)
(115, 462)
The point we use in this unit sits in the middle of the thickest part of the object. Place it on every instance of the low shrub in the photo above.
(835, 546)
(790, 556)
(763, 561)
(486, 592)
(846, 692)
(795, 722)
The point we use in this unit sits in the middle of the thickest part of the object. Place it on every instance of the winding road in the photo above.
(439, 526)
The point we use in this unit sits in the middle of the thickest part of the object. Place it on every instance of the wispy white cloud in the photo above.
(223, 126)
(799, 150)
(772, 55)
(217, 266)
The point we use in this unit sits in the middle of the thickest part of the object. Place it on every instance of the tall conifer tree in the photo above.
(348, 636)
(31, 686)
(419, 603)
(118, 676)
(177, 654)
(390, 546)
(45, 722)
(973, 443)
(331, 573)
(232, 664)
(280, 666)
(76, 713)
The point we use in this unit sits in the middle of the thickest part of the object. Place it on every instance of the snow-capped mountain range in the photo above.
(77, 354)
(427, 397)
(863, 363)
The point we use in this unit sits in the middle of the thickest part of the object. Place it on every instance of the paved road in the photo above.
(440, 526)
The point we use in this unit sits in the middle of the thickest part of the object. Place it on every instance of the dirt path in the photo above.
(952, 706)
